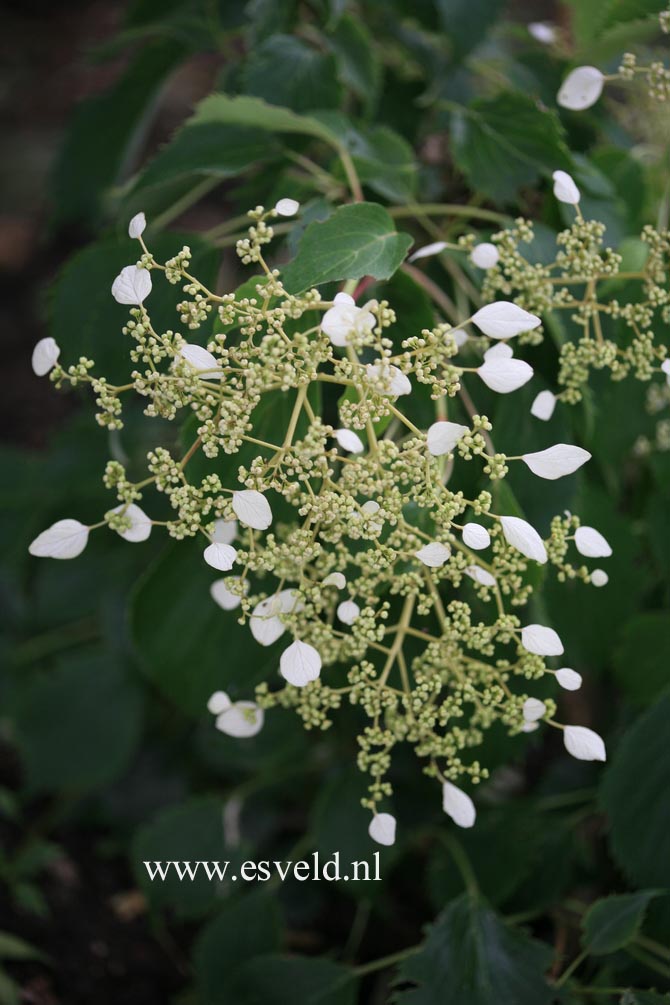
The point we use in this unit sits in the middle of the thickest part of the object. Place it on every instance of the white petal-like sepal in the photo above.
(348, 611)
(557, 461)
(543, 32)
(458, 805)
(569, 679)
(581, 88)
(45, 356)
(524, 538)
(140, 523)
(132, 285)
(300, 664)
(287, 207)
(223, 596)
(218, 703)
(382, 828)
(345, 319)
(225, 531)
(543, 406)
(335, 579)
(475, 536)
(349, 440)
(137, 226)
(434, 554)
(241, 720)
(485, 255)
(220, 556)
(599, 577)
(202, 360)
(584, 744)
(501, 350)
(388, 379)
(252, 509)
(565, 189)
(591, 543)
(481, 576)
(505, 375)
(533, 709)
(64, 539)
(442, 437)
(265, 624)
(541, 640)
(428, 249)
(503, 319)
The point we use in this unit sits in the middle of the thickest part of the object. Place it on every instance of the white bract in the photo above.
(132, 286)
(665, 367)
(265, 622)
(45, 356)
(241, 720)
(557, 461)
(64, 539)
(569, 679)
(481, 576)
(300, 664)
(543, 406)
(349, 440)
(218, 703)
(287, 207)
(599, 577)
(335, 579)
(505, 375)
(501, 350)
(460, 337)
(565, 189)
(252, 509)
(428, 249)
(220, 556)
(541, 641)
(458, 805)
(475, 536)
(388, 379)
(584, 744)
(485, 255)
(543, 32)
(137, 226)
(434, 554)
(345, 319)
(533, 709)
(382, 828)
(202, 360)
(530, 727)
(442, 437)
(591, 543)
(348, 611)
(140, 523)
(223, 596)
(581, 88)
(504, 319)
(225, 531)
(524, 538)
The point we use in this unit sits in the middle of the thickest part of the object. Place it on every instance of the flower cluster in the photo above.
(343, 531)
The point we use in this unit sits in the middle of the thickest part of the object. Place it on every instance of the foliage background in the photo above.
(108, 756)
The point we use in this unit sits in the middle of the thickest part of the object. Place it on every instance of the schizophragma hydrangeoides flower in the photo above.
(351, 547)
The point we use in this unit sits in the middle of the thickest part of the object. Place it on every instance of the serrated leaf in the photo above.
(287, 980)
(358, 64)
(634, 792)
(471, 956)
(506, 142)
(284, 70)
(613, 922)
(250, 111)
(357, 240)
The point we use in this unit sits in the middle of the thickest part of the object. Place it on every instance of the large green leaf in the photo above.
(613, 922)
(358, 63)
(506, 142)
(250, 111)
(286, 71)
(467, 22)
(188, 646)
(634, 795)
(287, 980)
(642, 657)
(78, 726)
(242, 930)
(357, 240)
(471, 956)
(100, 140)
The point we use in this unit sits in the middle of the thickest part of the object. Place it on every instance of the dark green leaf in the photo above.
(13, 948)
(634, 795)
(613, 922)
(287, 980)
(634, 997)
(506, 142)
(358, 63)
(467, 22)
(286, 71)
(242, 930)
(471, 956)
(249, 111)
(357, 240)
(642, 657)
